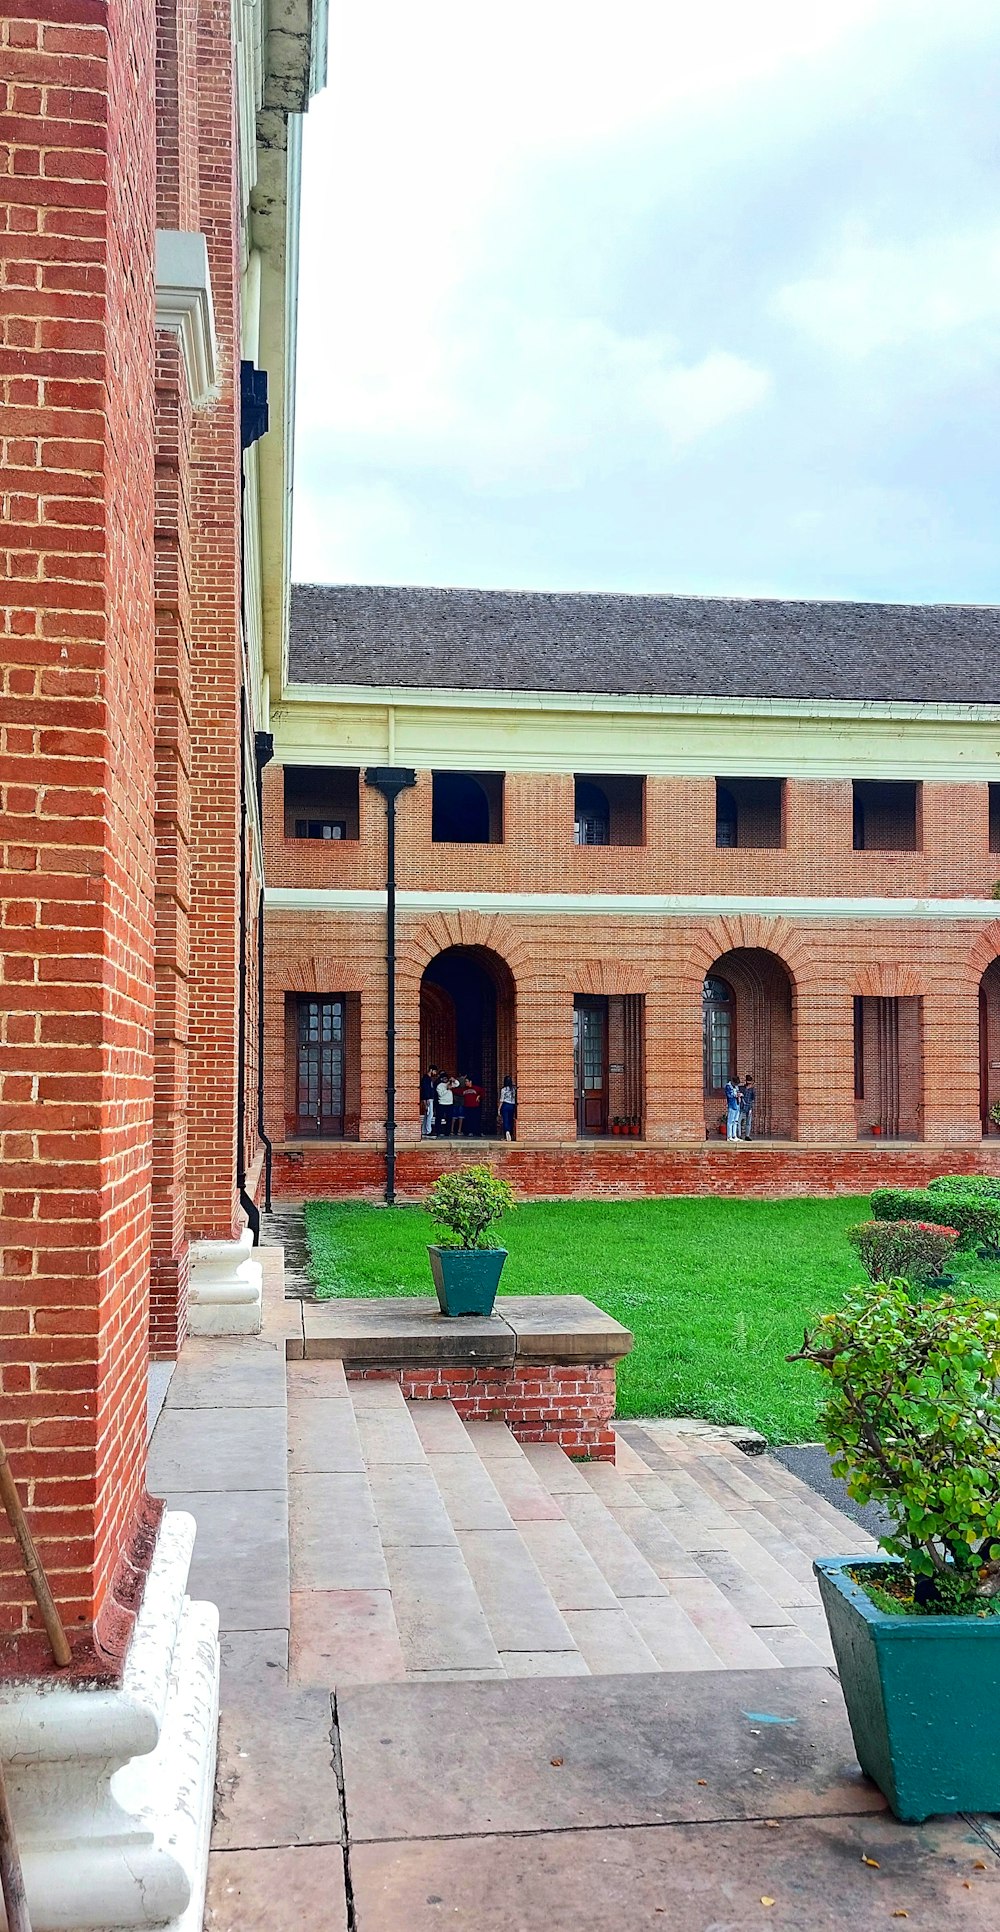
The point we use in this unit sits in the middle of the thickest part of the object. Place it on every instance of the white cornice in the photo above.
(184, 305)
(452, 698)
(639, 904)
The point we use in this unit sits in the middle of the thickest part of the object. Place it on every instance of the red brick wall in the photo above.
(570, 1404)
(217, 666)
(806, 1075)
(76, 476)
(679, 853)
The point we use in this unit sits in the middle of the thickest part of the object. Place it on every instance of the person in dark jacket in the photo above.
(428, 1088)
(748, 1101)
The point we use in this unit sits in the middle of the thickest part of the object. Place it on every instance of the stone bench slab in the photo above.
(406, 1332)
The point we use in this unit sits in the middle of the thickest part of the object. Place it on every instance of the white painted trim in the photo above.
(641, 904)
(447, 697)
(184, 305)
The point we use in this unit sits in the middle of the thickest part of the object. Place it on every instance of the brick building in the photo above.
(651, 842)
(148, 219)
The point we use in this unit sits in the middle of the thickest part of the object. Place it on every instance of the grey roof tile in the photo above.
(664, 646)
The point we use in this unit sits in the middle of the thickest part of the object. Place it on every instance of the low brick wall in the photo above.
(570, 1404)
(617, 1169)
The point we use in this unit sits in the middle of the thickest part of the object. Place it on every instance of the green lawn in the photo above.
(716, 1292)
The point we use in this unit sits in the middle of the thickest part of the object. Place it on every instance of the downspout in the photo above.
(390, 780)
(264, 750)
(249, 1206)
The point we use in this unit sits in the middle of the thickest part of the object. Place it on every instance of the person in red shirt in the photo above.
(472, 1106)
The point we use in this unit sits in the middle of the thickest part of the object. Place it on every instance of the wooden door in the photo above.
(320, 1083)
(590, 1043)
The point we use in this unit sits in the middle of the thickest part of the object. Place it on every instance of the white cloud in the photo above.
(874, 295)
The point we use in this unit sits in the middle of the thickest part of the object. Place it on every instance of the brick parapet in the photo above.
(569, 1404)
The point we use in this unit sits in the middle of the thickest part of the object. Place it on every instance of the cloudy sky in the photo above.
(654, 297)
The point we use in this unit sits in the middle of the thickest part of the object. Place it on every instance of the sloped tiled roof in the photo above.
(663, 646)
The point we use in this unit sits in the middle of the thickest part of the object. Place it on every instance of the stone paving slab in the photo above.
(440, 1428)
(519, 1609)
(807, 1876)
(344, 1637)
(609, 1642)
(254, 1657)
(325, 1379)
(409, 1507)
(274, 1782)
(612, 1549)
(334, 1537)
(430, 1760)
(570, 1573)
(721, 1624)
(667, 1630)
(229, 1449)
(470, 1495)
(323, 1438)
(224, 1373)
(240, 1557)
(298, 1886)
(438, 1614)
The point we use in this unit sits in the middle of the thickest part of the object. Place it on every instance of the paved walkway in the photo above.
(383, 1571)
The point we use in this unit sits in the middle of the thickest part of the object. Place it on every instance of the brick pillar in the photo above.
(545, 1085)
(675, 1106)
(76, 905)
(824, 1059)
(950, 1056)
(216, 668)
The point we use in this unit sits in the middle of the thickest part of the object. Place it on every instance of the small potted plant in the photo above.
(912, 1421)
(465, 1267)
(995, 1113)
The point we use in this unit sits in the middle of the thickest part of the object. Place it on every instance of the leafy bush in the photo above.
(915, 1249)
(467, 1203)
(912, 1421)
(977, 1221)
(974, 1187)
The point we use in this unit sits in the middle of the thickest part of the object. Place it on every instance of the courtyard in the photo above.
(716, 1292)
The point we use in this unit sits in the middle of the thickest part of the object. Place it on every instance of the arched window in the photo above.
(726, 827)
(717, 1033)
(591, 814)
(461, 809)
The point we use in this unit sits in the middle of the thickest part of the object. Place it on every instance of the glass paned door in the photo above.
(320, 1088)
(590, 1045)
(717, 1034)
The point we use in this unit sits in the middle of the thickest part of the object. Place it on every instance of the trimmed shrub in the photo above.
(977, 1221)
(915, 1250)
(974, 1187)
(466, 1203)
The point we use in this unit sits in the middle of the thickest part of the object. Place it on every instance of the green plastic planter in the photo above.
(467, 1279)
(922, 1696)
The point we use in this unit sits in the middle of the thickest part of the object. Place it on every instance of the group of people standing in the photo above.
(452, 1106)
(741, 1099)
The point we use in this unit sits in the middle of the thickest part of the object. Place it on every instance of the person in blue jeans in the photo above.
(732, 1109)
(508, 1107)
(748, 1101)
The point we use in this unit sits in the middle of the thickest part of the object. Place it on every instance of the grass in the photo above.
(716, 1292)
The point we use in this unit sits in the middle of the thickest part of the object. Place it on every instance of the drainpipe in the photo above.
(249, 1206)
(390, 780)
(264, 752)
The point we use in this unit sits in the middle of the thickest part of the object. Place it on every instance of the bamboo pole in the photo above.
(11, 1876)
(32, 1564)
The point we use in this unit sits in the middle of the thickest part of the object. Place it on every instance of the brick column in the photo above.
(545, 1090)
(950, 1056)
(76, 467)
(824, 1058)
(675, 1106)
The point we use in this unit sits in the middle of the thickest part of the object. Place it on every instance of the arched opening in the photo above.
(989, 1043)
(747, 1006)
(466, 808)
(467, 1022)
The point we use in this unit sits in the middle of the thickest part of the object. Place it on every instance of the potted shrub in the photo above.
(995, 1113)
(912, 1420)
(466, 1269)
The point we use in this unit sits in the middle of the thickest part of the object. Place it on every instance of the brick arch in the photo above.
(985, 950)
(607, 977)
(890, 981)
(762, 989)
(417, 944)
(749, 932)
(323, 973)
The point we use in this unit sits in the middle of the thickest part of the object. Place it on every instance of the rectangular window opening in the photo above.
(886, 815)
(608, 1058)
(467, 807)
(608, 810)
(322, 802)
(995, 818)
(750, 813)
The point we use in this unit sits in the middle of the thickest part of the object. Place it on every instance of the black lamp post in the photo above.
(390, 780)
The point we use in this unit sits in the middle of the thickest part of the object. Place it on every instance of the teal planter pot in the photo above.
(467, 1279)
(922, 1696)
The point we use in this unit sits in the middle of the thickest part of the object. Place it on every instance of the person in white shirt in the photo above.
(445, 1105)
